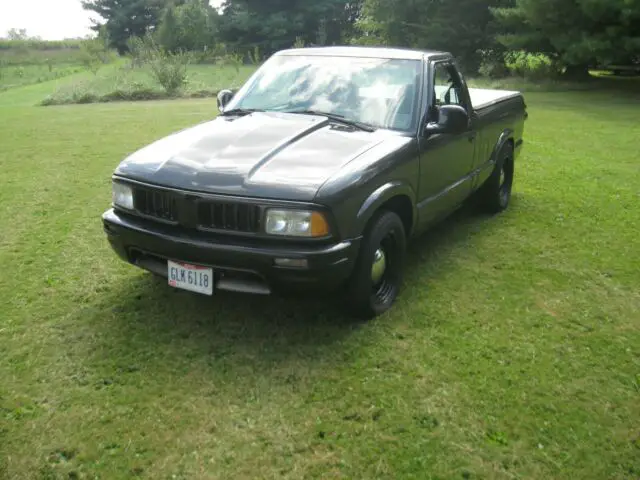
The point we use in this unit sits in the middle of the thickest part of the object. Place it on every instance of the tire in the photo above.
(495, 195)
(369, 293)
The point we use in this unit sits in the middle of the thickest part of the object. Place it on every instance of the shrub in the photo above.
(137, 51)
(255, 56)
(234, 60)
(170, 70)
(87, 97)
(76, 96)
(531, 65)
(211, 54)
(203, 93)
(94, 54)
(493, 69)
(492, 65)
(131, 95)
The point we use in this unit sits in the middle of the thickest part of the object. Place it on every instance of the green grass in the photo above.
(513, 352)
(120, 82)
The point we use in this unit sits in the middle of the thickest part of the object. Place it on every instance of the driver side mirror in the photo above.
(452, 119)
(224, 97)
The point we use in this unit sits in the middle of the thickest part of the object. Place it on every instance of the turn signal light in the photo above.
(319, 225)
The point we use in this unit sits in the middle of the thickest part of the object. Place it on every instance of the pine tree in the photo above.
(276, 24)
(463, 27)
(577, 33)
(123, 19)
(168, 33)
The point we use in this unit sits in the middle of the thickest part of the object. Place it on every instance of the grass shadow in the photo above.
(447, 235)
(144, 311)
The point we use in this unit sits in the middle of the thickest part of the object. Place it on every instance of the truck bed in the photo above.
(481, 98)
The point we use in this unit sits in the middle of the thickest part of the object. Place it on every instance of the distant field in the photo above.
(35, 52)
(513, 352)
(41, 57)
(19, 75)
(31, 61)
(39, 45)
(121, 82)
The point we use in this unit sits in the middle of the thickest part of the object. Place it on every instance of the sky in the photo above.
(49, 19)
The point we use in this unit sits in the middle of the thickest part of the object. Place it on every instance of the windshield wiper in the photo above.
(241, 111)
(337, 118)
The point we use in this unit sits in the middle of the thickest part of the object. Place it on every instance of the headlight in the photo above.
(122, 196)
(296, 223)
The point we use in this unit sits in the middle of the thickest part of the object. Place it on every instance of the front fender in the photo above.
(382, 195)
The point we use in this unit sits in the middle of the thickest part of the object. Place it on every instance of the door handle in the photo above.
(472, 136)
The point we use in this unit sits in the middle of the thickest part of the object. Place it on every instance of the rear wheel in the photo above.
(495, 195)
(375, 283)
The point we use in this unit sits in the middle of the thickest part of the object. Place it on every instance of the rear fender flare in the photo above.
(381, 196)
(506, 136)
(487, 168)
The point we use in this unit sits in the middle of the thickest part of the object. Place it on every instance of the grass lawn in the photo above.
(514, 350)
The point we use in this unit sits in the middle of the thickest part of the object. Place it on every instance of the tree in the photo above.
(329, 22)
(576, 33)
(463, 27)
(125, 18)
(276, 24)
(17, 34)
(168, 33)
(192, 26)
(197, 24)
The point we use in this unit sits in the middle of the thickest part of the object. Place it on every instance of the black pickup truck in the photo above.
(315, 175)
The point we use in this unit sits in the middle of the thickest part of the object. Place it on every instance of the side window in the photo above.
(446, 86)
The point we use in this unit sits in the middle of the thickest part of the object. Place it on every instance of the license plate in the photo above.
(190, 277)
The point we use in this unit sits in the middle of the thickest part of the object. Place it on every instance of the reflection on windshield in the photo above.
(378, 92)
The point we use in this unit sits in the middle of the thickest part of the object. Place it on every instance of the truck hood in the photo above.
(268, 155)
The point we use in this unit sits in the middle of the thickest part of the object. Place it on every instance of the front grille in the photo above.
(239, 217)
(194, 211)
(156, 203)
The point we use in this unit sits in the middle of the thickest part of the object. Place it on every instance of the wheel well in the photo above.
(500, 145)
(512, 143)
(401, 205)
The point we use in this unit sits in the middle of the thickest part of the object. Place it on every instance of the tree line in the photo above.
(490, 36)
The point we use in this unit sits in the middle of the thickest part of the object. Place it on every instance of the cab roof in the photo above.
(368, 52)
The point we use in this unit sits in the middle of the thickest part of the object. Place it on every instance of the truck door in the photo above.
(446, 160)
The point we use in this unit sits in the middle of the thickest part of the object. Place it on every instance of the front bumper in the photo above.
(243, 265)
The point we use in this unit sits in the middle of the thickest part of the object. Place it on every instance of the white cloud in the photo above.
(49, 19)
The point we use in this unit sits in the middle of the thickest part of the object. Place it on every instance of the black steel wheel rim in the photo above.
(506, 180)
(385, 290)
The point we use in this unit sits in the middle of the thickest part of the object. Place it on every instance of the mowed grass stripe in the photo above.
(54, 168)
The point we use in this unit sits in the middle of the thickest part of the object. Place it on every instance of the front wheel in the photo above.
(375, 283)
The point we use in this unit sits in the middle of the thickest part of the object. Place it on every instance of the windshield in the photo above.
(379, 92)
